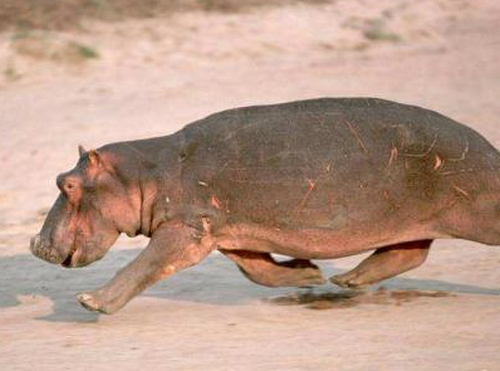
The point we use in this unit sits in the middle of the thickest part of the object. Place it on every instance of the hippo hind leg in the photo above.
(385, 262)
(261, 268)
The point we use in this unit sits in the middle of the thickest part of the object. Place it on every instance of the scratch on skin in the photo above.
(390, 200)
(241, 128)
(223, 167)
(312, 186)
(461, 191)
(207, 228)
(245, 181)
(215, 202)
(356, 135)
(461, 171)
(426, 153)
(439, 162)
(318, 119)
(393, 157)
(140, 154)
(464, 152)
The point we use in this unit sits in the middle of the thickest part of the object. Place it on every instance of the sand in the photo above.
(150, 77)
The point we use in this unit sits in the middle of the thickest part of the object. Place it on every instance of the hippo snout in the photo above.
(41, 248)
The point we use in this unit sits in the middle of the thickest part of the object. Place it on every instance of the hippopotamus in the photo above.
(315, 179)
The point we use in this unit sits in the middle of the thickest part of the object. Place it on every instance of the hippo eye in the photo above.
(67, 183)
(69, 186)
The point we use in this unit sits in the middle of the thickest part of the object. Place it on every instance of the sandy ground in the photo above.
(154, 76)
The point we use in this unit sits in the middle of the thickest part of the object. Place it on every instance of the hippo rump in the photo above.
(315, 179)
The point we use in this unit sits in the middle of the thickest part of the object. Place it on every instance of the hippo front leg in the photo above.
(172, 247)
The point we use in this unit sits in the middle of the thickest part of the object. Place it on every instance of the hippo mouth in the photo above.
(67, 263)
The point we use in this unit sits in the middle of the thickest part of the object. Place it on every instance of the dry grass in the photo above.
(40, 47)
(68, 14)
(376, 31)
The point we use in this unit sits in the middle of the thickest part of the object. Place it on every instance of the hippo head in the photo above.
(95, 205)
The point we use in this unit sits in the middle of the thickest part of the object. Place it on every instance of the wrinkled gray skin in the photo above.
(317, 179)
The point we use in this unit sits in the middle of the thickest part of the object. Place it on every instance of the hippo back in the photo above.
(331, 163)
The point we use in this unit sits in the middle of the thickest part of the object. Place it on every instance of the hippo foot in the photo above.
(90, 301)
(307, 277)
(348, 281)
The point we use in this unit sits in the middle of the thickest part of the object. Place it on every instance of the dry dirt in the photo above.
(145, 77)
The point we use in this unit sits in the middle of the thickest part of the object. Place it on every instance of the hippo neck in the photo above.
(144, 166)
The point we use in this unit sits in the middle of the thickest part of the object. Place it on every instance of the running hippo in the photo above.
(315, 179)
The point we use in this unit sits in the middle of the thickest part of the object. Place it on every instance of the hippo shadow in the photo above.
(216, 281)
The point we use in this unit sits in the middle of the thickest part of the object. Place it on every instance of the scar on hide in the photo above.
(427, 152)
(461, 191)
(438, 163)
(215, 202)
(393, 157)
(312, 186)
(464, 152)
(392, 203)
(356, 135)
(461, 171)
(205, 222)
(318, 119)
(145, 160)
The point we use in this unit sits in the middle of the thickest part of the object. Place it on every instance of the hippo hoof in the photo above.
(346, 282)
(311, 277)
(90, 302)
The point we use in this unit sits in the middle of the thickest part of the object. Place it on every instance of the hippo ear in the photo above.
(81, 150)
(94, 157)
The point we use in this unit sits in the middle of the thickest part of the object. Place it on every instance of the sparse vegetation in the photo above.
(41, 46)
(374, 29)
(85, 51)
(11, 74)
(377, 34)
(377, 31)
(31, 45)
(68, 14)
